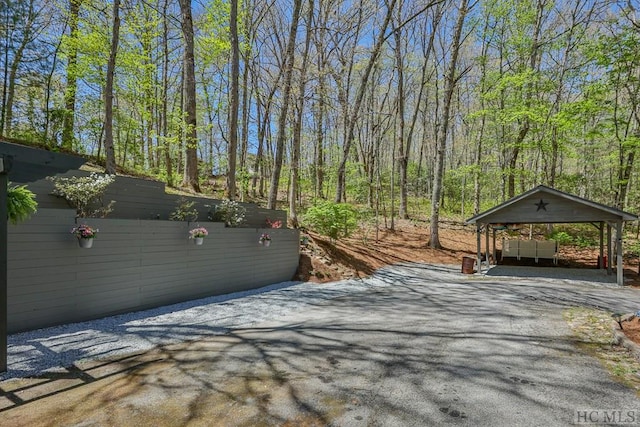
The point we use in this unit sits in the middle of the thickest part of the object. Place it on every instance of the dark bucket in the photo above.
(467, 264)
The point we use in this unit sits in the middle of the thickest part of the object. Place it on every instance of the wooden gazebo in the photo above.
(545, 205)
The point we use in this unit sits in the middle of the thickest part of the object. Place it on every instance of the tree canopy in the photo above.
(388, 104)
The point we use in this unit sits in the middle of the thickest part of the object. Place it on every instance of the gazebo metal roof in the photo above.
(545, 205)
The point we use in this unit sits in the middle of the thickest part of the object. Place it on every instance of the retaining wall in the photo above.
(134, 264)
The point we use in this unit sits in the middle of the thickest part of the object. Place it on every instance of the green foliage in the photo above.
(213, 44)
(633, 248)
(562, 237)
(332, 219)
(84, 193)
(585, 241)
(184, 211)
(577, 235)
(230, 212)
(357, 182)
(21, 203)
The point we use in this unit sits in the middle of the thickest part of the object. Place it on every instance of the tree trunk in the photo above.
(72, 76)
(232, 148)
(244, 137)
(110, 155)
(191, 136)
(166, 146)
(441, 141)
(8, 35)
(403, 151)
(321, 104)
(297, 128)
(525, 124)
(48, 93)
(355, 112)
(15, 63)
(282, 121)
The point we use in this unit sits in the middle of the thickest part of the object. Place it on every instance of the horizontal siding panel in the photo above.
(39, 259)
(44, 272)
(34, 284)
(104, 272)
(101, 304)
(64, 294)
(166, 259)
(178, 273)
(36, 251)
(36, 315)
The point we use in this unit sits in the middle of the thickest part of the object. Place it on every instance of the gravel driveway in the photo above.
(414, 345)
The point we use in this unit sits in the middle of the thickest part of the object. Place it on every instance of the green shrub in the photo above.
(21, 203)
(84, 193)
(332, 219)
(585, 242)
(562, 237)
(184, 211)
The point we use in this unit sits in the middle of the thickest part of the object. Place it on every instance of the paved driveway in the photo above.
(426, 346)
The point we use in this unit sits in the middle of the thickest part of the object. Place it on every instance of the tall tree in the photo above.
(451, 79)
(191, 136)
(166, 145)
(109, 151)
(286, 91)
(297, 126)
(403, 151)
(28, 32)
(529, 73)
(355, 111)
(232, 150)
(72, 76)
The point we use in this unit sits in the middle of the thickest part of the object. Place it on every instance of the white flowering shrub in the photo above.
(230, 212)
(84, 193)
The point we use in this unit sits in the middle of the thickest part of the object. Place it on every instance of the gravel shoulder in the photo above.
(414, 344)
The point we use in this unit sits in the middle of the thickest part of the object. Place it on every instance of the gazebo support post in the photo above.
(609, 250)
(620, 271)
(495, 255)
(601, 259)
(486, 245)
(479, 246)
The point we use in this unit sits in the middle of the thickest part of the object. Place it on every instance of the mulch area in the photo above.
(631, 329)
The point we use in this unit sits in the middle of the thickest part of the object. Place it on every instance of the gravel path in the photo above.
(413, 345)
(51, 349)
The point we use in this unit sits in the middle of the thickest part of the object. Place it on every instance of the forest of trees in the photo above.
(396, 102)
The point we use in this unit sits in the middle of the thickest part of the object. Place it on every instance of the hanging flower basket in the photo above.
(85, 235)
(265, 240)
(198, 234)
(85, 243)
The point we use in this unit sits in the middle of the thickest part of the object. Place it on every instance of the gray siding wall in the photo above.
(133, 265)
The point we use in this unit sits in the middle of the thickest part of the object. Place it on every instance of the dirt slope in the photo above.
(363, 253)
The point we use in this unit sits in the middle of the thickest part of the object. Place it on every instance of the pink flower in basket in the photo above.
(83, 231)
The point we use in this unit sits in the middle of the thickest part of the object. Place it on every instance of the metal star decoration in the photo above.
(541, 205)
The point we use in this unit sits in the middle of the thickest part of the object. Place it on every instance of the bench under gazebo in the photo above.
(545, 205)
